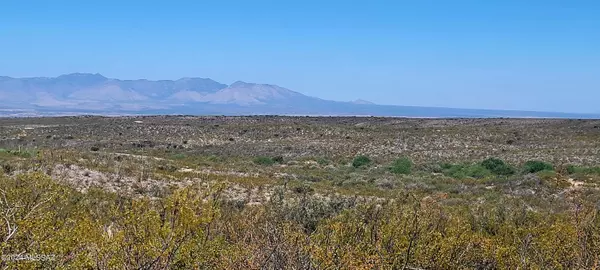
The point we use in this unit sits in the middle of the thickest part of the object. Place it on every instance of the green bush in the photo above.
(179, 156)
(323, 161)
(7, 168)
(431, 167)
(497, 166)
(572, 169)
(546, 175)
(534, 166)
(454, 170)
(19, 153)
(277, 159)
(402, 166)
(477, 171)
(24, 153)
(361, 161)
(460, 171)
(591, 170)
(265, 161)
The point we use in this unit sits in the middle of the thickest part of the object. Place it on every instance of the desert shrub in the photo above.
(572, 169)
(277, 159)
(353, 183)
(215, 158)
(25, 154)
(497, 166)
(34, 210)
(167, 168)
(433, 167)
(591, 170)
(385, 183)
(44, 217)
(309, 210)
(7, 168)
(179, 156)
(534, 166)
(265, 161)
(361, 161)
(302, 189)
(310, 178)
(20, 153)
(95, 148)
(453, 170)
(191, 229)
(323, 161)
(402, 166)
(477, 171)
(461, 171)
(546, 175)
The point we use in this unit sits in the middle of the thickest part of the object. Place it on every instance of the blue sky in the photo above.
(526, 55)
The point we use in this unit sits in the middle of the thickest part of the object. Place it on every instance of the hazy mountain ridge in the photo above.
(78, 88)
(81, 90)
(80, 93)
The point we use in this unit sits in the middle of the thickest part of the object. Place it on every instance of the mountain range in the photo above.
(85, 93)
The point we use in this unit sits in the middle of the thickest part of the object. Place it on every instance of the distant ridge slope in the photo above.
(83, 93)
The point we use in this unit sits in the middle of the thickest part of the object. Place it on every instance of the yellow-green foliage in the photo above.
(83, 230)
(195, 230)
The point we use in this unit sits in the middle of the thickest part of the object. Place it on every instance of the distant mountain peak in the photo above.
(362, 101)
(194, 79)
(241, 84)
(83, 75)
(83, 78)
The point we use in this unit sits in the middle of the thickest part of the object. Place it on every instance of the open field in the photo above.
(277, 192)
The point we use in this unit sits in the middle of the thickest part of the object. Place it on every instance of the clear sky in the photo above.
(527, 55)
